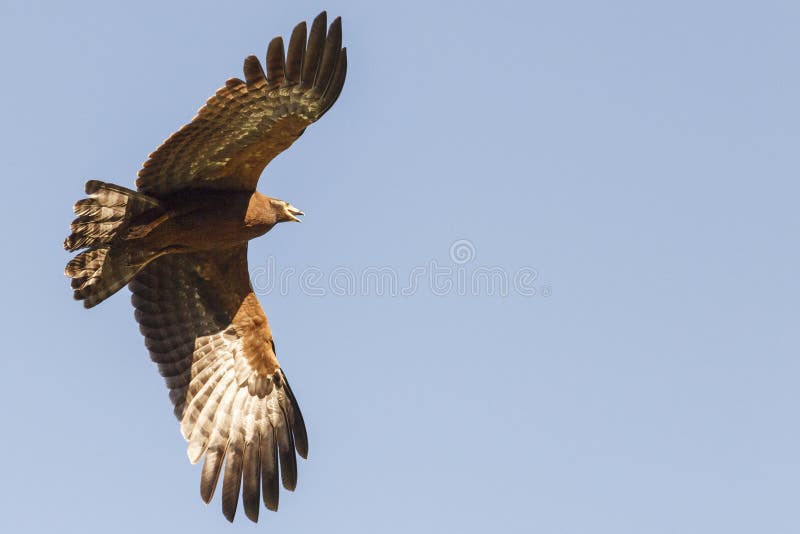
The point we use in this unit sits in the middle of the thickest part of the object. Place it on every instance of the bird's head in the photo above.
(286, 212)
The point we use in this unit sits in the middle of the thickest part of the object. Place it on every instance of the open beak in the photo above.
(294, 212)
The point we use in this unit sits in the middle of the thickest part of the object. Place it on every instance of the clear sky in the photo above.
(637, 162)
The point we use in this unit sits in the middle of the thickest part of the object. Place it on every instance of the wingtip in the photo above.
(335, 33)
(252, 514)
(91, 186)
(275, 61)
(253, 71)
(87, 303)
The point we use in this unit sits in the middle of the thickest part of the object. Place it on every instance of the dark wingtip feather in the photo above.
(210, 473)
(288, 460)
(232, 481)
(92, 186)
(253, 72)
(295, 53)
(316, 41)
(330, 55)
(252, 512)
(275, 61)
(337, 82)
(300, 437)
(251, 481)
(269, 470)
(297, 422)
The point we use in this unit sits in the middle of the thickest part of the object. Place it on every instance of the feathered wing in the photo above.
(247, 123)
(210, 338)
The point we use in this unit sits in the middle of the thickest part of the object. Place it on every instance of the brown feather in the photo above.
(288, 459)
(98, 273)
(232, 480)
(330, 55)
(316, 42)
(296, 421)
(244, 126)
(253, 72)
(251, 478)
(210, 473)
(275, 62)
(337, 82)
(105, 215)
(269, 469)
(295, 53)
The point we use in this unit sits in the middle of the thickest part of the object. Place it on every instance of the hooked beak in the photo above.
(293, 212)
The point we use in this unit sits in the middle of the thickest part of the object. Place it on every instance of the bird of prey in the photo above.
(180, 242)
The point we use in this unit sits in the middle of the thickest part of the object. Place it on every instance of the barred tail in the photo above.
(98, 273)
(109, 263)
(100, 217)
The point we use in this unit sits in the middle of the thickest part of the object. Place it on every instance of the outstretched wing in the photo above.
(209, 336)
(247, 123)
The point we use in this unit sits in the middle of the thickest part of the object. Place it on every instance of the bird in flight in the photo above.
(180, 243)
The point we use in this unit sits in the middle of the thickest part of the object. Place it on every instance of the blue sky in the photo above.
(637, 160)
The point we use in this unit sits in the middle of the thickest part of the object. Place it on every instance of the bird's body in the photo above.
(200, 220)
(180, 243)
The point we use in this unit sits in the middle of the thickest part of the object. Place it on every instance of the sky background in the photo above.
(640, 158)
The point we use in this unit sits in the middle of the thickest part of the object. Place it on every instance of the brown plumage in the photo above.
(180, 242)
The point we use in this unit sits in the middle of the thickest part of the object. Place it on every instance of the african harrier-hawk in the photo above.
(180, 242)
